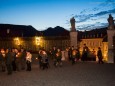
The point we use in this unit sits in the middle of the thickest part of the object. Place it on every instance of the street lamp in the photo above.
(17, 41)
(37, 40)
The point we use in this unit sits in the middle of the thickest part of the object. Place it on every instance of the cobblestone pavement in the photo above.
(80, 74)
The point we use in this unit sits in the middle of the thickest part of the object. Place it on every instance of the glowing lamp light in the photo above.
(17, 41)
(105, 55)
(37, 40)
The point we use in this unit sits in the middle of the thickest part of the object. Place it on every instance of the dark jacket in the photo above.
(8, 58)
(99, 54)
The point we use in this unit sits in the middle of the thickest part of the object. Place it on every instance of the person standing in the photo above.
(0, 61)
(13, 60)
(85, 53)
(2, 55)
(66, 54)
(9, 61)
(28, 60)
(54, 54)
(99, 55)
(22, 59)
(58, 57)
(44, 59)
(40, 58)
(69, 53)
(73, 56)
(17, 59)
(93, 55)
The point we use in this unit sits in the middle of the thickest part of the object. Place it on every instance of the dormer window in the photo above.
(83, 36)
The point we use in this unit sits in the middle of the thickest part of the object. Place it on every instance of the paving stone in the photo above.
(80, 74)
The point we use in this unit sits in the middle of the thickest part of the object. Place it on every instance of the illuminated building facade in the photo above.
(18, 36)
(35, 40)
(94, 39)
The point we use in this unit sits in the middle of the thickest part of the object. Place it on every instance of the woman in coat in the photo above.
(28, 60)
(44, 59)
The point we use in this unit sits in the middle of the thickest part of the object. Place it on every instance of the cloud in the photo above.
(109, 3)
(92, 26)
(102, 13)
(105, 12)
(96, 17)
(83, 18)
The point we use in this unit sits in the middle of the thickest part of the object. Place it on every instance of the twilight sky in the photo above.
(41, 14)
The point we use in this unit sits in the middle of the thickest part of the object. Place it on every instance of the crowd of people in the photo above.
(17, 60)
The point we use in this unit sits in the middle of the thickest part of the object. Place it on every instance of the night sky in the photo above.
(41, 14)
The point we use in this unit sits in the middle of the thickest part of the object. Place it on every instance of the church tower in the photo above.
(111, 34)
(73, 33)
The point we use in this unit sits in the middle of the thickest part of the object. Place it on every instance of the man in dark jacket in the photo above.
(13, 60)
(99, 55)
(23, 59)
(54, 55)
(85, 53)
(9, 61)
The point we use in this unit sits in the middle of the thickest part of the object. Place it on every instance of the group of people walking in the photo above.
(43, 59)
(17, 60)
(54, 54)
(86, 52)
(73, 54)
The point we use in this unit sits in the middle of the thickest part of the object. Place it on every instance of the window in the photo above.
(97, 35)
(101, 35)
